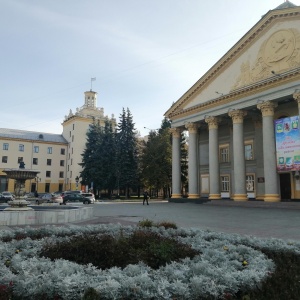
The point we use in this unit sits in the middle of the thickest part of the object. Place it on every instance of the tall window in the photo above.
(49, 150)
(47, 187)
(250, 183)
(34, 161)
(5, 146)
(48, 173)
(62, 151)
(49, 161)
(36, 149)
(72, 138)
(61, 174)
(224, 153)
(225, 183)
(21, 147)
(62, 163)
(20, 159)
(248, 150)
(4, 159)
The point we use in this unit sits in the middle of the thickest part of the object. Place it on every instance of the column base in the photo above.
(176, 196)
(214, 197)
(194, 196)
(240, 197)
(272, 198)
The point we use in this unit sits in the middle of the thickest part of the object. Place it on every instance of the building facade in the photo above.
(230, 114)
(55, 156)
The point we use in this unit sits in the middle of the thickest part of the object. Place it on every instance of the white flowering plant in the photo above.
(227, 264)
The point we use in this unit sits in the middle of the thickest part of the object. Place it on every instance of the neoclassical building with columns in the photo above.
(239, 117)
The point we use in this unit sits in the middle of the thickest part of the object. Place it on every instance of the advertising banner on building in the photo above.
(287, 136)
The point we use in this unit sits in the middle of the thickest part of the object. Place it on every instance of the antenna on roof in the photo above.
(92, 79)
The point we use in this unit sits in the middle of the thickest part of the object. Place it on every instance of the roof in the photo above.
(285, 4)
(32, 135)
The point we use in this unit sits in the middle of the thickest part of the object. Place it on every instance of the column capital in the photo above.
(175, 131)
(237, 115)
(212, 122)
(192, 127)
(296, 96)
(267, 108)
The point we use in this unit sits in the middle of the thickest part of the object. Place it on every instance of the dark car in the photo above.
(3, 199)
(73, 197)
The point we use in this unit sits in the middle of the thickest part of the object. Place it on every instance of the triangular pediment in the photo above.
(270, 48)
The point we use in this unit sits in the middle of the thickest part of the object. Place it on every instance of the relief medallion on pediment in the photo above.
(279, 53)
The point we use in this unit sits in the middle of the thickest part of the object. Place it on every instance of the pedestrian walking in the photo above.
(146, 197)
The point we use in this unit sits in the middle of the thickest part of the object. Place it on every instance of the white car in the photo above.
(90, 196)
(8, 195)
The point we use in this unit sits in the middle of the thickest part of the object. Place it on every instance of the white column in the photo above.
(214, 171)
(269, 152)
(176, 168)
(193, 161)
(239, 171)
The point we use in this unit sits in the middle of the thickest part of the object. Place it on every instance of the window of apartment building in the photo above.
(60, 187)
(250, 183)
(225, 183)
(35, 161)
(73, 126)
(62, 151)
(72, 150)
(5, 146)
(20, 159)
(248, 150)
(62, 163)
(71, 174)
(49, 161)
(70, 134)
(68, 167)
(4, 159)
(21, 147)
(61, 174)
(48, 173)
(49, 150)
(36, 149)
(224, 153)
(69, 155)
(47, 188)
(72, 138)
(71, 161)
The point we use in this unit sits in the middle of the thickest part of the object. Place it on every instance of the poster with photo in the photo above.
(287, 136)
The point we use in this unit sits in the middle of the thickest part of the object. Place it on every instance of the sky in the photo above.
(144, 54)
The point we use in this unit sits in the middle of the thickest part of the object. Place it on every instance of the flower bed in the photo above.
(228, 264)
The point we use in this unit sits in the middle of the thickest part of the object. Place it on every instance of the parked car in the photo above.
(3, 199)
(48, 198)
(75, 197)
(8, 195)
(29, 195)
(57, 193)
(90, 196)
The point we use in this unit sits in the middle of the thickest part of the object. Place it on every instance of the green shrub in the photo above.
(105, 251)
(146, 223)
(167, 225)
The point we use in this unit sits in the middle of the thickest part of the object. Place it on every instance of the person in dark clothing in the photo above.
(146, 197)
(36, 194)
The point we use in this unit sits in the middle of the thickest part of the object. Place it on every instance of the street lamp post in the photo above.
(77, 180)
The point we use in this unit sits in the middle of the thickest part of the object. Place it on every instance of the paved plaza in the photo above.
(278, 220)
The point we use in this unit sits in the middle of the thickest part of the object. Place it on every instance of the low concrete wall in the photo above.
(55, 216)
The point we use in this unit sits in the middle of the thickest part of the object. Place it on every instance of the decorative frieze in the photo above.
(237, 116)
(267, 108)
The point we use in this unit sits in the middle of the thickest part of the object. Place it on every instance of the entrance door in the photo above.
(285, 186)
